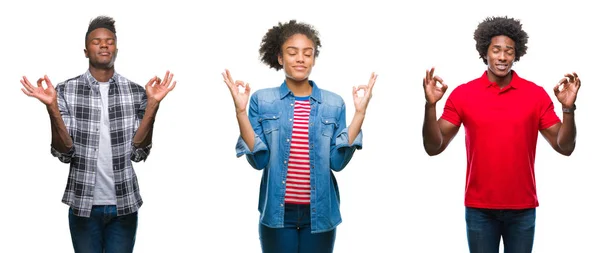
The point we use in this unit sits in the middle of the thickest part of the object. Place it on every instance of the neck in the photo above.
(501, 81)
(102, 75)
(299, 88)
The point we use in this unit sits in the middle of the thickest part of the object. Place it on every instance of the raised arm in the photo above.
(250, 142)
(437, 134)
(62, 144)
(561, 136)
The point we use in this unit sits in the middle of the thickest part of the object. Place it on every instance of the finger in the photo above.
(48, 82)
(562, 81)
(354, 92)
(426, 76)
(444, 87)
(229, 76)
(29, 94)
(438, 79)
(431, 73)
(247, 90)
(165, 78)
(570, 77)
(373, 80)
(556, 88)
(151, 81)
(173, 86)
(27, 86)
(39, 82)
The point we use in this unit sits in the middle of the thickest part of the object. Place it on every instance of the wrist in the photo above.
(240, 112)
(429, 104)
(569, 109)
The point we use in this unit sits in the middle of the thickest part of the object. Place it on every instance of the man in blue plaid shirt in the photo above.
(101, 122)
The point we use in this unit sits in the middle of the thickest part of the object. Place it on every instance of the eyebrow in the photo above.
(498, 46)
(292, 47)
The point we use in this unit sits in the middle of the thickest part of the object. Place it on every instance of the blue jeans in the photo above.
(103, 231)
(486, 226)
(295, 236)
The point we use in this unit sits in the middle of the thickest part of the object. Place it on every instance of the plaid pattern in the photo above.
(80, 106)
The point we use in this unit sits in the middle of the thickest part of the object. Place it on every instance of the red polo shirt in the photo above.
(501, 130)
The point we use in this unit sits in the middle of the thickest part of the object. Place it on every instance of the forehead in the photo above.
(299, 41)
(502, 40)
(101, 33)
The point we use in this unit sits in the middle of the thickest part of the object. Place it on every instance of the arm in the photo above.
(347, 140)
(156, 90)
(62, 143)
(437, 134)
(251, 141)
(561, 136)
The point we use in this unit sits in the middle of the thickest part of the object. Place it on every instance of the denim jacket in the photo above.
(271, 115)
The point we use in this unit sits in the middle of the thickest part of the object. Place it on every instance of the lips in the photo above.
(299, 68)
(104, 54)
(502, 67)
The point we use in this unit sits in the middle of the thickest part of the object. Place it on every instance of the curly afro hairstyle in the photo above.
(270, 47)
(101, 22)
(495, 26)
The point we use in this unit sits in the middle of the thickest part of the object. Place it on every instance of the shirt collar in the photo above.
(514, 81)
(315, 94)
(91, 81)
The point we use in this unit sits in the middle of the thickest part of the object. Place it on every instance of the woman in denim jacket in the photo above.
(296, 134)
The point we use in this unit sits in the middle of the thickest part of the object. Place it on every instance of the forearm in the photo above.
(432, 135)
(61, 140)
(355, 126)
(246, 130)
(567, 133)
(143, 136)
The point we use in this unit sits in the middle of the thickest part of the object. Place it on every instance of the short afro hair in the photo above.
(495, 26)
(101, 22)
(273, 40)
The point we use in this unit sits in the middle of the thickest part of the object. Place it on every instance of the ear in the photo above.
(86, 53)
(280, 59)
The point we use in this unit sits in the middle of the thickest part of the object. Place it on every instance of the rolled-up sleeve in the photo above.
(69, 122)
(139, 154)
(259, 156)
(341, 150)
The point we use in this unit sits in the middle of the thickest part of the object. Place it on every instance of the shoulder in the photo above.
(70, 83)
(130, 85)
(266, 94)
(331, 98)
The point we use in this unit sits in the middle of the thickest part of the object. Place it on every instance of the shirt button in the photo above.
(292, 104)
(284, 161)
(283, 182)
(311, 124)
(281, 204)
(326, 121)
(288, 140)
(274, 117)
(314, 210)
(290, 119)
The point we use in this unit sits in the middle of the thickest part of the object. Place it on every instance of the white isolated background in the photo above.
(200, 198)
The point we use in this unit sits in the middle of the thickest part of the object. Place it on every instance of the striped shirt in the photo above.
(297, 190)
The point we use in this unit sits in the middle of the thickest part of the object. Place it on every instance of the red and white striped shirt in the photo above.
(297, 190)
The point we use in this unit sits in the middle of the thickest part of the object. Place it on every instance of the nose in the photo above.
(103, 43)
(300, 58)
(502, 56)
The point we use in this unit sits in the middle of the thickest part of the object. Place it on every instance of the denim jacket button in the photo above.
(283, 182)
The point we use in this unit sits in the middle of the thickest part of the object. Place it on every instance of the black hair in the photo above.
(101, 22)
(270, 47)
(495, 26)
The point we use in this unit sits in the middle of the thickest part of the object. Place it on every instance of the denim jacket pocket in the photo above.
(328, 126)
(269, 122)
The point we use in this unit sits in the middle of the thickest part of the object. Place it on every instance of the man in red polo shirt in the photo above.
(502, 114)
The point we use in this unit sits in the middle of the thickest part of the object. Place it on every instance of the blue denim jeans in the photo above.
(485, 227)
(103, 231)
(295, 236)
